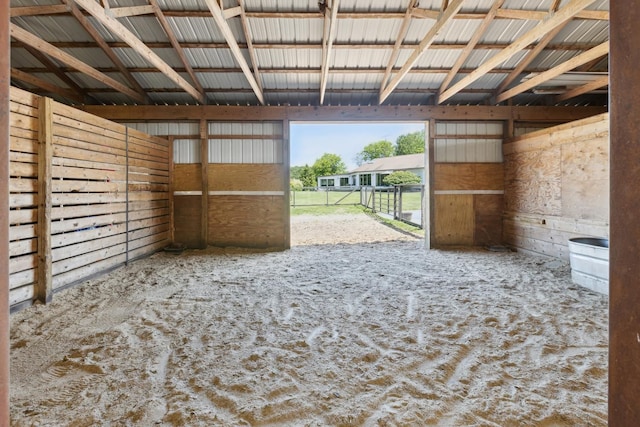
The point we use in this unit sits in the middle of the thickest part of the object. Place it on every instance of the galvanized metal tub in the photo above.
(589, 258)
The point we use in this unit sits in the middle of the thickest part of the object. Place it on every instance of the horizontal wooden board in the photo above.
(73, 276)
(150, 239)
(87, 258)
(68, 172)
(65, 123)
(24, 262)
(144, 232)
(25, 170)
(468, 176)
(82, 116)
(23, 185)
(22, 216)
(82, 223)
(70, 212)
(20, 295)
(22, 96)
(16, 156)
(246, 221)
(85, 235)
(78, 250)
(102, 160)
(148, 213)
(25, 200)
(22, 247)
(147, 250)
(70, 137)
(86, 198)
(22, 278)
(148, 222)
(245, 177)
(20, 232)
(77, 186)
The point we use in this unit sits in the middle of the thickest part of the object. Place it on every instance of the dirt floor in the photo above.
(374, 331)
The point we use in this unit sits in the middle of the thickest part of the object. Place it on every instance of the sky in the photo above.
(309, 141)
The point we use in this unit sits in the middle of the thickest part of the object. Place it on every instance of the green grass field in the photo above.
(307, 198)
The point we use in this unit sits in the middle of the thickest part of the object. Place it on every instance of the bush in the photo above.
(296, 185)
(401, 177)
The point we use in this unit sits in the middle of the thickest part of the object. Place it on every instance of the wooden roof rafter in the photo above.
(57, 71)
(581, 90)
(328, 36)
(164, 23)
(552, 21)
(90, 29)
(532, 54)
(402, 33)
(39, 44)
(127, 36)
(45, 85)
(220, 19)
(583, 58)
(249, 39)
(466, 52)
(428, 39)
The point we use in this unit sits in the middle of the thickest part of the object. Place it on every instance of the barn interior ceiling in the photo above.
(312, 52)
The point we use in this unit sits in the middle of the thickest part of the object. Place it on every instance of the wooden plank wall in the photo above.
(23, 204)
(107, 198)
(557, 186)
(468, 203)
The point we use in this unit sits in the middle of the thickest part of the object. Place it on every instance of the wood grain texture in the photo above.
(187, 220)
(246, 177)
(187, 177)
(246, 221)
(454, 219)
(469, 176)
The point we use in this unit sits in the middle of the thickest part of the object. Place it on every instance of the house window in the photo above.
(344, 182)
(330, 182)
(365, 179)
(323, 182)
(379, 179)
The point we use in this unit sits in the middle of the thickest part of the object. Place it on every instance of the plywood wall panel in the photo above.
(187, 177)
(246, 221)
(455, 219)
(246, 177)
(469, 176)
(187, 220)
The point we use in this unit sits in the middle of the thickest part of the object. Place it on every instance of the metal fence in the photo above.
(401, 202)
(314, 196)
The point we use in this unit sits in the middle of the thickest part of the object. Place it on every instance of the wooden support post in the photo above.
(44, 284)
(286, 163)
(172, 225)
(5, 53)
(429, 206)
(126, 183)
(624, 269)
(204, 161)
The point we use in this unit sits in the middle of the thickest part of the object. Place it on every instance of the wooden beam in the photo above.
(204, 201)
(176, 46)
(472, 44)
(37, 43)
(533, 54)
(443, 19)
(581, 90)
(249, 38)
(89, 28)
(624, 268)
(233, 12)
(402, 33)
(56, 70)
(343, 113)
(569, 65)
(330, 25)
(551, 22)
(53, 9)
(127, 36)
(218, 17)
(286, 166)
(45, 85)
(122, 12)
(5, 143)
(44, 284)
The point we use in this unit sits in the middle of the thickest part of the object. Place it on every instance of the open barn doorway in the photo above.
(350, 180)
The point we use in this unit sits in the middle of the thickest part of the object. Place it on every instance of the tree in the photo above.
(328, 164)
(305, 175)
(410, 143)
(295, 185)
(375, 150)
(401, 177)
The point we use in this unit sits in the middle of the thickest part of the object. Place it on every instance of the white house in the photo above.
(373, 172)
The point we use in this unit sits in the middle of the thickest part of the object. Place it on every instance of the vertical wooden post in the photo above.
(624, 269)
(5, 60)
(204, 161)
(44, 287)
(172, 226)
(126, 198)
(429, 184)
(286, 166)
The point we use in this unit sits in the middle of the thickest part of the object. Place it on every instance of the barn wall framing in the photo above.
(86, 195)
(557, 186)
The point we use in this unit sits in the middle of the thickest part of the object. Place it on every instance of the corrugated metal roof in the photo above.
(288, 48)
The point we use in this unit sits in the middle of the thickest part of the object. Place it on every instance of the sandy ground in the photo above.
(375, 331)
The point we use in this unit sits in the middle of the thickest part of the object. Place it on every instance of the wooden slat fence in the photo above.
(87, 195)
